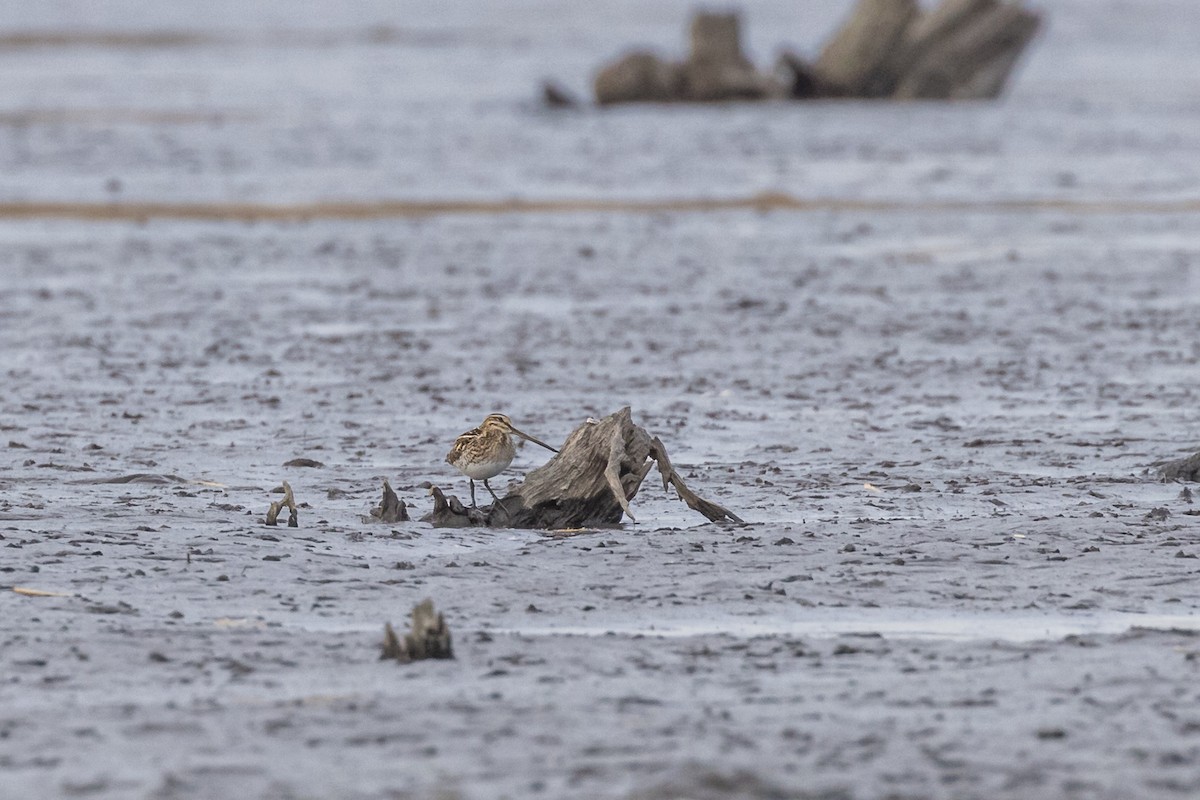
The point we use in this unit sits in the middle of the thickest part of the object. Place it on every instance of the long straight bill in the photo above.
(532, 439)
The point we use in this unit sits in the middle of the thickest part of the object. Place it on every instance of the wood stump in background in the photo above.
(639, 77)
(935, 26)
(966, 52)
(960, 49)
(716, 68)
(588, 483)
(922, 35)
(428, 637)
(857, 60)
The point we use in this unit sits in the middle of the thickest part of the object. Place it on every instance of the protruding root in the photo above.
(612, 472)
(428, 638)
(391, 508)
(449, 512)
(288, 502)
(714, 512)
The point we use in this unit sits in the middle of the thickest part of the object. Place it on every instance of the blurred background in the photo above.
(299, 101)
(931, 390)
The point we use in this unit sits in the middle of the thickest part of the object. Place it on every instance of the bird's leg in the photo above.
(472, 481)
(497, 504)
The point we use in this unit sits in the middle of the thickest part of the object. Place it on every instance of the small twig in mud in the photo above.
(28, 592)
(288, 502)
(390, 509)
(429, 637)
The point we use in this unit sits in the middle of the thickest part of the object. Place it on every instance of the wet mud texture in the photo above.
(919, 426)
(934, 386)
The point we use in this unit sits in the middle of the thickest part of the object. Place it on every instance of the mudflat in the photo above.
(930, 353)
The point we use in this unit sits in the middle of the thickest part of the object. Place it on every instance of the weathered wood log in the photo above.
(589, 483)
(924, 33)
(798, 79)
(929, 30)
(856, 60)
(943, 21)
(716, 68)
(639, 77)
(968, 52)
(717, 37)
(961, 49)
(1182, 469)
(989, 80)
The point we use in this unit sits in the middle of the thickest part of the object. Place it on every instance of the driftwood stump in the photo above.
(856, 59)
(288, 502)
(428, 637)
(967, 52)
(717, 69)
(639, 77)
(589, 483)
(391, 508)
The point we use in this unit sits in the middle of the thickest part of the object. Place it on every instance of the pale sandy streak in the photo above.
(400, 209)
(118, 116)
(127, 40)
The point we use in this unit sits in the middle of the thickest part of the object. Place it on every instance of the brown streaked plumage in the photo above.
(486, 451)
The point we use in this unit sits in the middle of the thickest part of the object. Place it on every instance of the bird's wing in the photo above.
(462, 443)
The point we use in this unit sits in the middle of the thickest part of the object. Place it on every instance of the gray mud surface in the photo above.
(961, 576)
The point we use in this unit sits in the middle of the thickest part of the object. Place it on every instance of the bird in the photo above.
(486, 451)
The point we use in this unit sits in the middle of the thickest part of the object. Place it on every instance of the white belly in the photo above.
(482, 470)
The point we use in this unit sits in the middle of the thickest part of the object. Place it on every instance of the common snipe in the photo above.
(486, 451)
